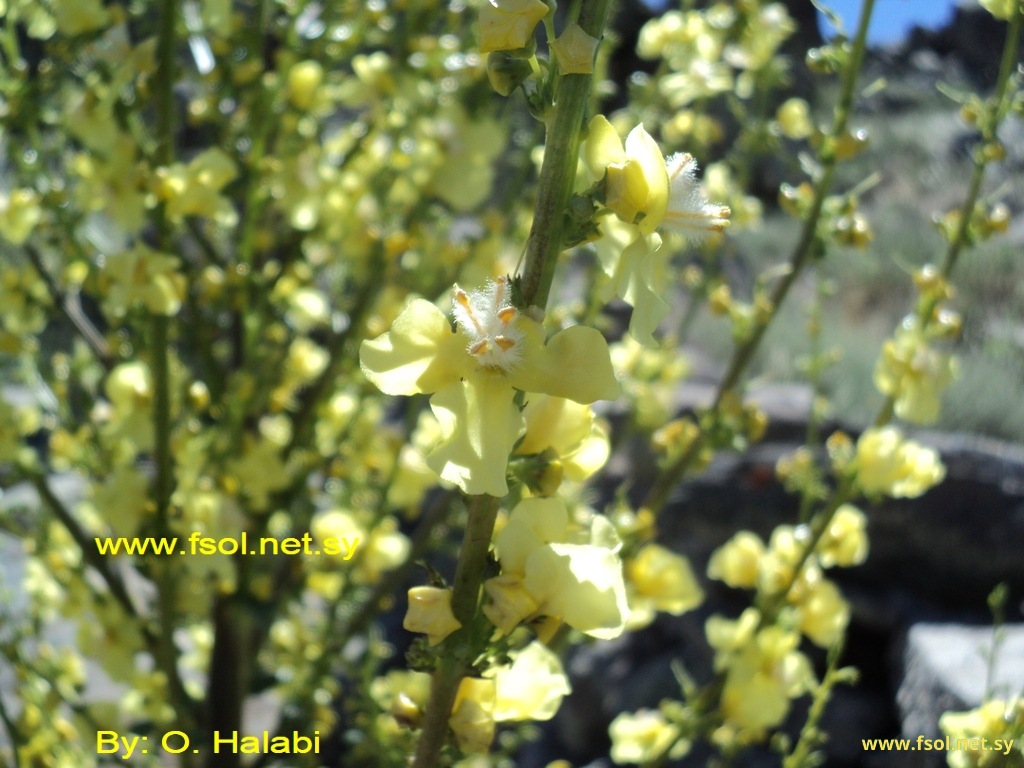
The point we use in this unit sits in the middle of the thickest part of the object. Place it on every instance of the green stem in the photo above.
(558, 172)
(460, 650)
(667, 480)
(989, 125)
(165, 653)
(810, 736)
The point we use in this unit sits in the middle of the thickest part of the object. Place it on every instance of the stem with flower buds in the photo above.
(658, 495)
(459, 648)
(558, 172)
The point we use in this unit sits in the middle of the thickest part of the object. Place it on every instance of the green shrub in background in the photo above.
(234, 233)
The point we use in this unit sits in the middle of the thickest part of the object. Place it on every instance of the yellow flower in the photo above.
(508, 602)
(737, 562)
(785, 550)
(700, 79)
(386, 549)
(472, 718)
(913, 373)
(307, 309)
(532, 688)
(113, 182)
(764, 670)
(641, 736)
(887, 464)
(637, 269)
(579, 583)
(664, 580)
(145, 276)
(129, 388)
(303, 80)
(430, 612)
(730, 635)
(637, 181)
(570, 430)
(992, 720)
(19, 214)
(474, 371)
(259, 470)
(335, 525)
(823, 613)
(401, 683)
(795, 119)
(193, 190)
(845, 541)
(507, 25)
(465, 177)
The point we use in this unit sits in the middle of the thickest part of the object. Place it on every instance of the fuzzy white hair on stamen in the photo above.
(488, 319)
(689, 211)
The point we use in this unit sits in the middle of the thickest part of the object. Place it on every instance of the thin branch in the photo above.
(71, 308)
(744, 354)
(88, 546)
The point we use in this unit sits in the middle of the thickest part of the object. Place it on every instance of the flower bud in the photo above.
(666, 579)
(508, 602)
(794, 119)
(430, 612)
(472, 719)
(824, 613)
(737, 562)
(303, 80)
(575, 50)
(506, 73)
(850, 144)
(199, 396)
(844, 542)
(720, 300)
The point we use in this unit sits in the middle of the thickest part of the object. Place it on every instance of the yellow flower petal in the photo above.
(420, 354)
(644, 149)
(508, 602)
(574, 364)
(532, 688)
(591, 455)
(627, 190)
(665, 578)
(533, 523)
(479, 425)
(506, 25)
(582, 585)
(603, 146)
(554, 422)
(472, 718)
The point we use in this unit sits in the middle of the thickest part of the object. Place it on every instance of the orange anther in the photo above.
(504, 342)
(480, 347)
(507, 315)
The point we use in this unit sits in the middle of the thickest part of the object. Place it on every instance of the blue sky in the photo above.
(892, 19)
